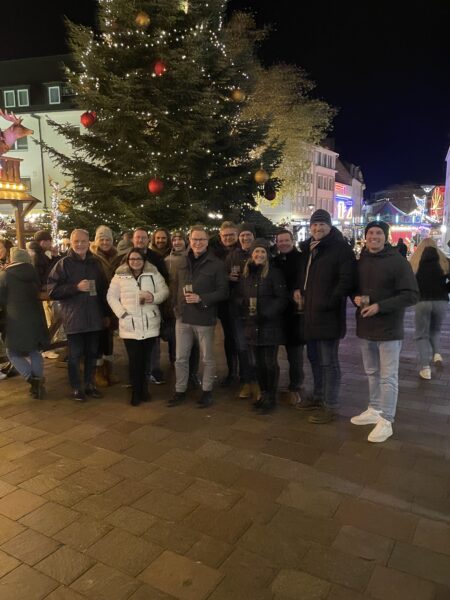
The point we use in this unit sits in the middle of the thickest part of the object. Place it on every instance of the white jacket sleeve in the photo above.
(161, 289)
(113, 297)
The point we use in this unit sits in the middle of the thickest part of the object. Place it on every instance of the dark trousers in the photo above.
(82, 345)
(267, 369)
(229, 343)
(106, 341)
(295, 360)
(246, 370)
(139, 353)
(324, 359)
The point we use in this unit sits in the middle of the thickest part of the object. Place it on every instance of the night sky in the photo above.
(386, 68)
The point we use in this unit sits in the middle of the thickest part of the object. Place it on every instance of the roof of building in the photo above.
(346, 172)
(28, 71)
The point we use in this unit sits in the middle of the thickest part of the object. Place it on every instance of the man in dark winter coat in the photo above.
(328, 277)
(386, 286)
(80, 285)
(288, 260)
(200, 284)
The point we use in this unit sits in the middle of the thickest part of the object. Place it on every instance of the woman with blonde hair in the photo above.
(432, 270)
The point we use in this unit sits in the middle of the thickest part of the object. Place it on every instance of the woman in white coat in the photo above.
(134, 294)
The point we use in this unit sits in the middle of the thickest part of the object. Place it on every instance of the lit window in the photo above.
(23, 98)
(54, 94)
(9, 98)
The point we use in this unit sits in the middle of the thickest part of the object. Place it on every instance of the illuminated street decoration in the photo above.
(344, 202)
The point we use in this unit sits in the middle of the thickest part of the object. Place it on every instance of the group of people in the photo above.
(175, 287)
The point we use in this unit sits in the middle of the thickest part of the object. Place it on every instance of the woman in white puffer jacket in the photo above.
(134, 294)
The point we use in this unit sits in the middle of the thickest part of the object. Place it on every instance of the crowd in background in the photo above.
(173, 287)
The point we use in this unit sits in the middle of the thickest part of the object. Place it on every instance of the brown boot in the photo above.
(245, 391)
(109, 372)
(256, 391)
(100, 376)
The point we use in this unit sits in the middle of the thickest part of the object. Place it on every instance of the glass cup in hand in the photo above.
(92, 288)
(188, 289)
(364, 302)
(252, 306)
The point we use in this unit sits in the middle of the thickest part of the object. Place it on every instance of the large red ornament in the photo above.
(155, 186)
(88, 118)
(159, 68)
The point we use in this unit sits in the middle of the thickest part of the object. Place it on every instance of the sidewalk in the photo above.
(109, 502)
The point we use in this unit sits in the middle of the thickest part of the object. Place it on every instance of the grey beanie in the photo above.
(19, 256)
(321, 216)
(246, 227)
(260, 243)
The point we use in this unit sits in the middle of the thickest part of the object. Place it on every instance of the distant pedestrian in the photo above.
(402, 247)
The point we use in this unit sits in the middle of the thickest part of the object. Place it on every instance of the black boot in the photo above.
(267, 405)
(37, 389)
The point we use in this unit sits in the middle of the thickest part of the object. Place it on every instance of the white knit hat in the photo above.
(103, 232)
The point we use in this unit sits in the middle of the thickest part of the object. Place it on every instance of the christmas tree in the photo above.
(162, 141)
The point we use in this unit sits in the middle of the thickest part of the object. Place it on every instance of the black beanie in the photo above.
(321, 216)
(260, 243)
(381, 224)
(246, 227)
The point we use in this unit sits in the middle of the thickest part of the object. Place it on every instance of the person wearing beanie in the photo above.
(386, 286)
(45, 257)
(261, 298)
(109, 258)
(125, 244)
(288, 259)
(25, 332)
(327, 277)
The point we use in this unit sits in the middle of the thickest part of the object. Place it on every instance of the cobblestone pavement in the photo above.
(107, 501)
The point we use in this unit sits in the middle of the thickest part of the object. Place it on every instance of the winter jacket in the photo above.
(331, 278)
(155, 259)
(137, 321)
(25, 326)
(433, 284)
(402, 248)
(236, 257)
(387, 278)
(290, 264)
(80, 311)
(43, 264)
(266, 328)
(109, 261)
(209, 280)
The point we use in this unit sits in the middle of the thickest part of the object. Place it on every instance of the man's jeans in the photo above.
(380, 361)
(430, 315)
(295, 360)
(324, 359)
(28, 365)
(185, 337)
(82, 345)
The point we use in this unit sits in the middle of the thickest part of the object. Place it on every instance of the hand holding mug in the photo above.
(84, 285)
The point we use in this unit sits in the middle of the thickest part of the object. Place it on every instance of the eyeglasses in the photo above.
(136, 259)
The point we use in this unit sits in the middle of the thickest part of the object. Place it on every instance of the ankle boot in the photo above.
(37, 389)
(256, 391)
(100, 376)
(109, 373)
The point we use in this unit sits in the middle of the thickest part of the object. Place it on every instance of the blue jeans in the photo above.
(430, 315)
(324, 359)
(82, 345)
(28, 365)
(380, 361)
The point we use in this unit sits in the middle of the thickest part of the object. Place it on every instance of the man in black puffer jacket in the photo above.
(386, 286)
(80, 285)
(327, 278)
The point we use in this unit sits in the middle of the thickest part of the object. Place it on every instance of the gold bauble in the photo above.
(64, 206)
(261, 176)
(142, 19)
(238, 95)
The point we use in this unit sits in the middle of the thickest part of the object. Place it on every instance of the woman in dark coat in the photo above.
(262, 298)
(25, 327)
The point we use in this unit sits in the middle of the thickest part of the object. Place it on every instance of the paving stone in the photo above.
(387, 584)
(147, 451)
(166, 480)
(296, 584)
(238, 589)
(83, 432)
(127, 491)
(249, 569)
(354, 469)
(419, 484)
(247, 459)
(19, 503)
(265, 485)
(339, 592)
(102, 459)
(310, 500)
(56, 424)
(147, 592)
(104, 583)
(15, 450)
(111, 440)
(65, 565)
(82, 533)
(131, 468)
(7, 563)
(306, 527)
(228, 526)
(369, 546)
(9, 529)
(255, 508)
(211, 494)
(124, 551)
(213, 449)
(23, 433)
(6, 488)
(218, 471)
(292, 451)
(178, 459)
(172, 536)
(97, 506)
(282, 549)
(40, 484)
(26, 583)
(132, 520)
(434, 535)
(62, 468)
(389, 495)
(19, 475)
(50, 518)
(64, 593)
(421, 562)
(30, 546)
(67, 494)
(94, 480)
(181, 577)
(377, 519)
(210, 551)
(149, 433)
(164, 505)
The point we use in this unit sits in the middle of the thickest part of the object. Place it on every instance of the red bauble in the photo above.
(88, 119)
(159, 68)
(155, 186)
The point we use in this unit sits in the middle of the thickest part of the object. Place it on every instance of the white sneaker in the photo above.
(425, 373)
(50, 354)
(368, 417)
(381, 432)
(3, 375)
(437, 358)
